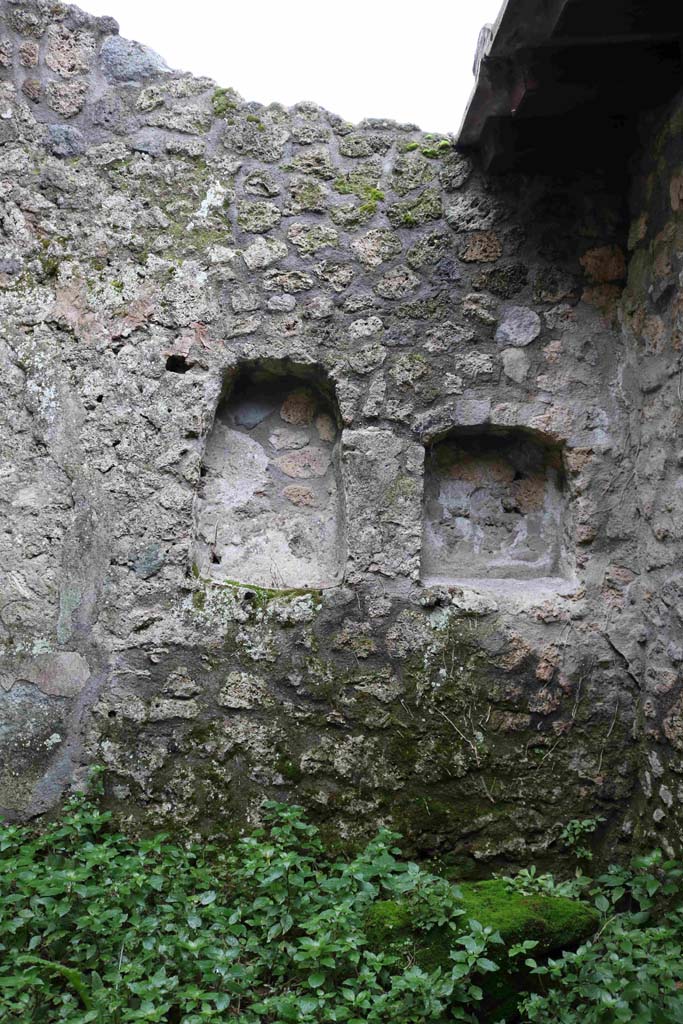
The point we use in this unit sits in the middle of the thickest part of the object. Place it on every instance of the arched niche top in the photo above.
(269, 509)
(495, 507)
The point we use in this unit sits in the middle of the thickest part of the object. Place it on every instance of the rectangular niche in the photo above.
(494, 508)
(269, 511)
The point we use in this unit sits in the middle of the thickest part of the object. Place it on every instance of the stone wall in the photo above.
(653, 331)
(219, 605)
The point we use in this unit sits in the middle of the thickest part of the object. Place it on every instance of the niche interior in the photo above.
(494, 508)
(269, 508)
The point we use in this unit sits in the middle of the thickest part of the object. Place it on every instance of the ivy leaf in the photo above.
(602, 904)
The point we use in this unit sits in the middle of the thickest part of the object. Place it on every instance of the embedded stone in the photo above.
(149, 562)
(65, 140)
(358, 301)
(186, 147)
(258, 216)
(181, 686)
(471, 211)
(481, 307)
(281, 303)
(411, 170)
(368, 358)
(482, 247)
(412, 212)
(124, 60)
(252, 409)
(299, 407)
(307, 194)
(33, 89)
(473, 366)
(320, 307)
(243, 691)
(69, 53)
(407, 369)
(505, 281)
(187, 119)
(676, 199)
(338, 275)
(309, 240)
(352, 214)
(304, 463)
(377, 246)
(604, 263)
(362, 144)
(67, 97)
(365, 328)
(429, 249)
(27, 20)
(447, 336)
(399, 282)
(455, 171)
(288, 439)
(264, 251)
(260, 137)
(315, 160)
(291, 281)
(164, 709)
(300, 496)
(516, 364)
(307, 133)
(519, 327)
(29, 54)
(109, 112)
(261, 183)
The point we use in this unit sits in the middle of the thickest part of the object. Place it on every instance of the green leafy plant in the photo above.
(627, 974)
(95, 927)
(99, 928)
(632, 970)
(575, 833)
(528, 882)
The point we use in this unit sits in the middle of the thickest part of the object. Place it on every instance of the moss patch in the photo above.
(223, 101)
(268, 593)
(555, 922)
(362, 182)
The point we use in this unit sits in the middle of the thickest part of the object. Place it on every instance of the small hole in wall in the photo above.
(112, 714)
(215, 559)
(99, 398)
(178, 364)
(494, 508)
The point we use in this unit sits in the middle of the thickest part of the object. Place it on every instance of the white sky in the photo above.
(357, 58)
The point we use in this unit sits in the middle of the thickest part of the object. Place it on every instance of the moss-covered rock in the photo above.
(556, 923)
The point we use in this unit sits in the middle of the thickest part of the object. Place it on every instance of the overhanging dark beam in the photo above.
(590, 66)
